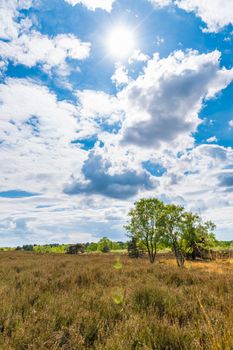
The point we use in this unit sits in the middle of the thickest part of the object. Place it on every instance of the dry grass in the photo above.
(96, 302)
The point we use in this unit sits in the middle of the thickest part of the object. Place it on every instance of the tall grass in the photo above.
(114, 303)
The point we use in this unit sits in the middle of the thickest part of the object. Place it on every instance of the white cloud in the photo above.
(138, 56)
(162, 105)
(215, 13)
(212, 139)
(202, 181)
(36, 131)
(231, 123)
(120, 77)
(30, 47)
(3, 66)
(9, 13)
(93, 4)
(35, 48)
(161, 3)
(96, 109)
(96, 103)
(57, 219)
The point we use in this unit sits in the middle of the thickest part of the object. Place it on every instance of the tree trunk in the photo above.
(151, 255)
(178, 254)
(152, 258)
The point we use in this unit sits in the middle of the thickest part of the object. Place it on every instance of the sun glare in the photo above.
(120, 42)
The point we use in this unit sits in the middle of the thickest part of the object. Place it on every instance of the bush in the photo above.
(75, 249)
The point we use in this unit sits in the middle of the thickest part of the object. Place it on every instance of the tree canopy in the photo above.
(146, 224)
(153, 223)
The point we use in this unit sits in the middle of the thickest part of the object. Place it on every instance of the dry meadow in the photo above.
(109, 302)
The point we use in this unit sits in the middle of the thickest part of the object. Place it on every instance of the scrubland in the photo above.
(53, 301)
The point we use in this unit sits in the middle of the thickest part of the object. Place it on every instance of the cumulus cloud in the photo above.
(163, 104)
(231, 123)
(23, 99)
(93, 4)
(30, 47)
(3, 66)
(120, 77)
(98, 180)
(226, 180)
(97, 110)
(215, 13)
(36, 48)
(12, 22)
(36, 131)
(138, 56)
(201, 180)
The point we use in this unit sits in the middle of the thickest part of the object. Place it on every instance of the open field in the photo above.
(108, 302)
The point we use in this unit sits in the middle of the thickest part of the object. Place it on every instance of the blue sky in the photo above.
(103, 102)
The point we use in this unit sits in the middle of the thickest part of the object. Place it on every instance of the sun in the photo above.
(121, 42)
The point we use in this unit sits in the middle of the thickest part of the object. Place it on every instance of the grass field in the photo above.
(114, 303)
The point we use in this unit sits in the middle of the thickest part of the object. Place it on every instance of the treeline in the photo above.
(221, 245)
(104, 245)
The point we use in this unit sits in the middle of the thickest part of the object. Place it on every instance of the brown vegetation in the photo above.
(99, 302)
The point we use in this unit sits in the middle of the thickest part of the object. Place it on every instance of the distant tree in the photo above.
(75, 249)
(92, 247)
(115, 246)
(134, 249)
(122, 245)
(105, 249)
(27, 247)
(146, 224)
(59, 248)
(104, 245)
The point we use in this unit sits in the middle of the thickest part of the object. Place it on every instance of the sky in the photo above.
(103, 102)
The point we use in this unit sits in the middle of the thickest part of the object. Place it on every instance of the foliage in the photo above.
(146, 224)
(135, 250)
(158, 225)
(91, 247)
(104, 245)
(219, 245)
(198, 236)
(6, 249)
(75, 249)
(28, 247)
(51, 248)
(174, 231)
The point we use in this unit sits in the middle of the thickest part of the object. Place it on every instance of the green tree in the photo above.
(92, 247)
(75, 249)
(173, 231)
(187, 234)
(104, 245)
(146, 224)
(134, 249)
(198, 236)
